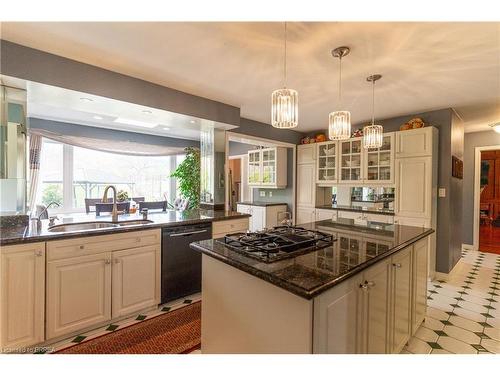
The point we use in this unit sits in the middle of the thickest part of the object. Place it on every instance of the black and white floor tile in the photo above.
(463, 314)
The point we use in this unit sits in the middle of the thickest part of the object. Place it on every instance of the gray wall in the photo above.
(473, 140)
(238, 148)
(39, 66)
(111, 134)
(262, 130)
(280, 195)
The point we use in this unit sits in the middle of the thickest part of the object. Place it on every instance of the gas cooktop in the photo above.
(278, 243)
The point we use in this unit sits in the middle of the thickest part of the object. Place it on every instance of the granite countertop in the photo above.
(262, 204)
(29, 233)
(308, 275)
(371, 210)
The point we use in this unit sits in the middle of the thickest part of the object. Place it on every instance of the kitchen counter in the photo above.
(29, 233)
(372, 210)
(262, 204)
(308, 275)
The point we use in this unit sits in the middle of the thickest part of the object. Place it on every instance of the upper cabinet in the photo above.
(415, 142)
(351, 158)
(267, 167)
(327, 162)
(379, 162)
(306, 154)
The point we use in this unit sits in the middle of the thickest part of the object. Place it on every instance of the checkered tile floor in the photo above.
(463, 314)
(162, 309)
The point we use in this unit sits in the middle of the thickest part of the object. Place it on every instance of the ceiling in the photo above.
(425, 66)
(58, 104)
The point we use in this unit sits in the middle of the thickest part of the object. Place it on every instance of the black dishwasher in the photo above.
(181, 265)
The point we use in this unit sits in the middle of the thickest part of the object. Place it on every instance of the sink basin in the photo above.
(76, 227)
(134, 222)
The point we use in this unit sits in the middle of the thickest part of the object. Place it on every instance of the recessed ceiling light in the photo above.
(192, 121)
(165, 128)
(127, 121)
(496, 127)
(86, 99)
(98, 117)
(147, 111)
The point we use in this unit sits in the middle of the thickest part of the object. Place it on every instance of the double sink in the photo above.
(93, 225)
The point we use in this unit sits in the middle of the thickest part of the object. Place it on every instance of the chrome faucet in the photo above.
(45, 210)
(114, 212)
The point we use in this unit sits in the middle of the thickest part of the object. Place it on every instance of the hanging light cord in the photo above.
(340, 83)
(373, 103)
(284, 63)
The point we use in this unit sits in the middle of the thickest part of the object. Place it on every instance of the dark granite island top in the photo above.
(29, 233)
(311, 274)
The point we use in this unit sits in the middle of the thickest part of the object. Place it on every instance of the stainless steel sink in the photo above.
(134, 222)
(76, 227)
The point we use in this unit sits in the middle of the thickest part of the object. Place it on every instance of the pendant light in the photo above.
(373, 134)
(339, 122)
(285, 103)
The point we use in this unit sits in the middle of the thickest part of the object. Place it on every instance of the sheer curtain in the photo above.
(34, 168)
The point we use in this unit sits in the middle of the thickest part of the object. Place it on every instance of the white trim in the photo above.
(237, 137)
(466, 246)
(477, 188)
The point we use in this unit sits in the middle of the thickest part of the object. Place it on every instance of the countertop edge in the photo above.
(375, 212)
(308, 295)
(107, 231)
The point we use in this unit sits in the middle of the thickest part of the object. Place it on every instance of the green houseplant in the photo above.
(188, 177)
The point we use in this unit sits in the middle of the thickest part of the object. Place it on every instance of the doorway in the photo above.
(489, 201)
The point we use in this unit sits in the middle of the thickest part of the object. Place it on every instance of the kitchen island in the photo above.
(364, 293)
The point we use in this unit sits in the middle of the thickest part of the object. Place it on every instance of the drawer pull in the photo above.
(38, 253)
(107, 261)
(81, 247)
(397, 265)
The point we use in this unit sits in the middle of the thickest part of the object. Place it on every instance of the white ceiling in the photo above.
(425, 66)
(54, 103)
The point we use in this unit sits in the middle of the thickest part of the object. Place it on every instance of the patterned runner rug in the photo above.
(176, 332)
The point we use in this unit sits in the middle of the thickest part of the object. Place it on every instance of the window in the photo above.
(69, 174)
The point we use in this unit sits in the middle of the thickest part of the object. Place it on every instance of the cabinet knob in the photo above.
(367, 285)
(107, 261)
(38, 253)
(117, 261)
(81, 247)
(397, 265)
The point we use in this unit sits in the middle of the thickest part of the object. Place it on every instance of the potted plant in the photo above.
(122, 196)
(187, 174)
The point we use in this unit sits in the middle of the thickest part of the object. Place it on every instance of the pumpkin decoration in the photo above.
(321, 137)
(414, 123)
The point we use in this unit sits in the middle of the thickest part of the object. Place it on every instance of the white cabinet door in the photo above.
(306, 154)
(325, 214)
(414, 187)
(375, 297)
(401, 299)
(350, 162)
(243, 208)
(327, 162)
(78, 293)
(22, 295)
(379, 163)
(306, 185)
(305, 215)
(136, 280)
(420, 264)
(258, 218)
(414, 143)
(336, 312)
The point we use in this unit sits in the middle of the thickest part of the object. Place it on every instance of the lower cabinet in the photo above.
(22, 295)
(93, 280)
(135, 284)
(262, 216)
(325, 214)
(376, 311)
(305, 215)
(78, 293)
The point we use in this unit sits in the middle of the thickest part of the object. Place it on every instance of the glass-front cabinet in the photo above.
(267, 167)
(327, 162)
(378, 162)
(351, 157)
(254, 167)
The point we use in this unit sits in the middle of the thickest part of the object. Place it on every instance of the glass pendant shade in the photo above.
(373, 136)
(339, 125)
(285, 109)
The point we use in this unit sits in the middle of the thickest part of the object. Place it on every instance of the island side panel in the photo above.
(244, 314)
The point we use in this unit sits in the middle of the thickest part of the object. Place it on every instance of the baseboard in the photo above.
(441, 276)
(466, 246)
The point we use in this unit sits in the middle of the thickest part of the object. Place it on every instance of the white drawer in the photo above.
(387, 219)
(100, 244)
(220, 228)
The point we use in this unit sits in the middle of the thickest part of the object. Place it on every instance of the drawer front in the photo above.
(100, 244)
(220, 228)
(350, 215)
